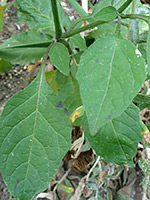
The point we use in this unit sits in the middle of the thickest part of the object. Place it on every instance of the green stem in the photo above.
(79, 20)
(84, 28)
(124, 6)
(56, 20)
(135, 16)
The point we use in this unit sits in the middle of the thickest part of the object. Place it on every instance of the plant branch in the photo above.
(84, 28)
(135, 16)
(124, 6)
(58, 30)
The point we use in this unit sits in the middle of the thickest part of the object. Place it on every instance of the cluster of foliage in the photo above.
(96, 78)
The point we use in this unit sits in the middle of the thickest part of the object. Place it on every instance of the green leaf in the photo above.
(1, 18)
(134, 31)
(25, 47)
(78, 8)
(122, 197)
(77, 41)
(34, 137)
(111, 72)
(59, 57)
(142, 101)
(4, 66)
(106, 14)
(51, 80)
(3, 7)
(148, 52)
(117, 140)
(39, 15)
(70, 95)
(101, 5)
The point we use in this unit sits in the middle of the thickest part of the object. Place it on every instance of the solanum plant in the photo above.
(99, 75)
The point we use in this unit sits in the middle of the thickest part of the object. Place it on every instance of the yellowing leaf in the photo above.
(77, 113)
(66, 188)
(2, 10)
(51, 80)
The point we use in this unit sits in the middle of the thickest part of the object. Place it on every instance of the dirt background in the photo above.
(129, 182)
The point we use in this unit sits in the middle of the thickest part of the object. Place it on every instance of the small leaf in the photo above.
(77, 113)
(51, 80)
(106, 14)
(117, 140)
(34, 137)
(111, 72)
(25, 47)
(77, 41)
(59, 57)
(144, 129)
(4, 66)
(66, 188)
(142, 101)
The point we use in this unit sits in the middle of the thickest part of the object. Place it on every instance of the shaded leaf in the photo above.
(142, 101)
(51, 80)
(59, 57)
(117, 140)
(77, 41)
(122, 197)
(34, 137)
(25, 47)
(111, 72)
(4, 66)
(70, 95)
(148, 53)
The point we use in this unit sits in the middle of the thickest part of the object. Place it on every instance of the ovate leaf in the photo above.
(25, 47)
(106, 14)
(34, 137)
(117, 140)
(59, 57)
(110, 75)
